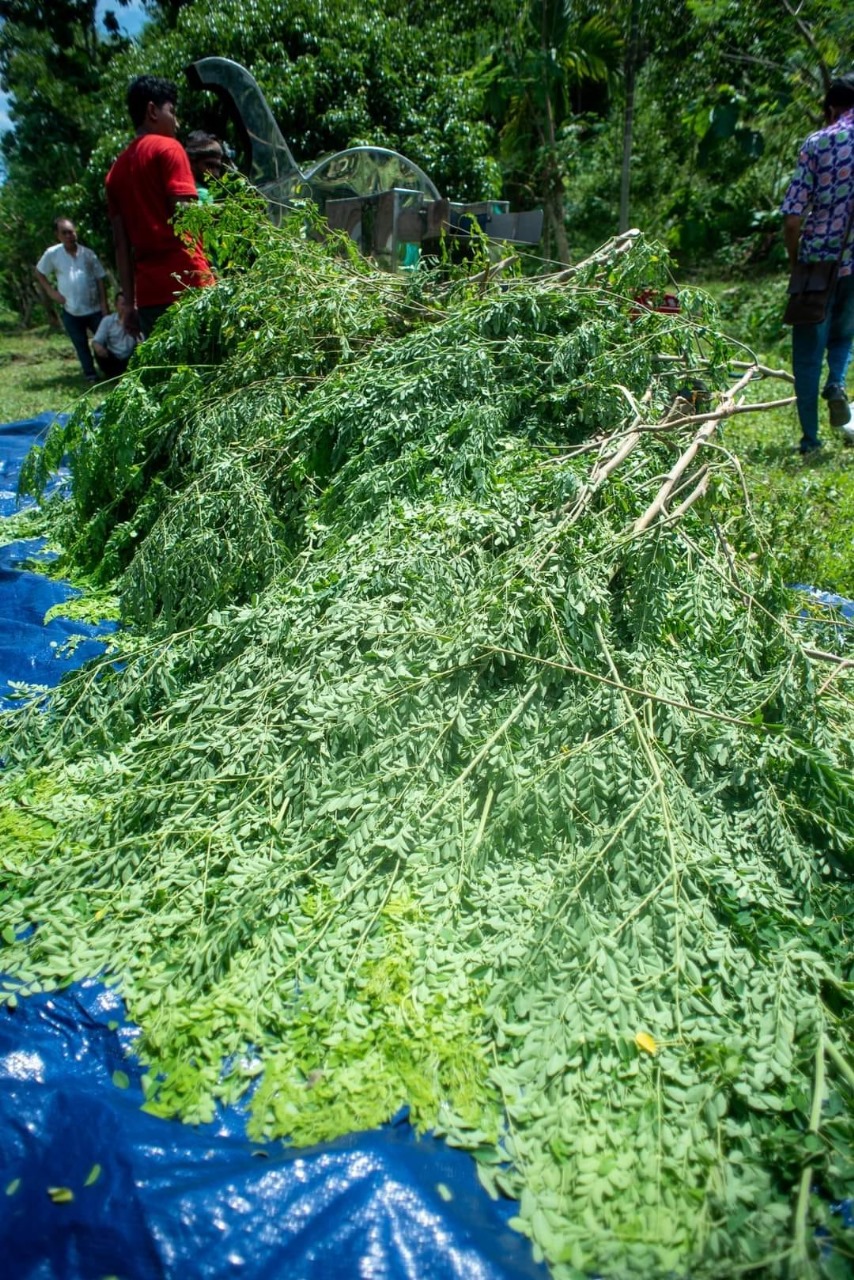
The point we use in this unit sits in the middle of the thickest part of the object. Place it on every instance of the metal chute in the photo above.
(384, 201)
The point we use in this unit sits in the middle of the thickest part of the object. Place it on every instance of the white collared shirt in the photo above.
(112, 334)
(77, 275)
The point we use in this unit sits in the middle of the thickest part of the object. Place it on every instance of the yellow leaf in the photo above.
(644, 1041)
(60, 1195)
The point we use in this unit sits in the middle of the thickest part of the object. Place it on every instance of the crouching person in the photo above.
(112, 344)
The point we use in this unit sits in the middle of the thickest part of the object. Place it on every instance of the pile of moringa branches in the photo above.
(452, 756)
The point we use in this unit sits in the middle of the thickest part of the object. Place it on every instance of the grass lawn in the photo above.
(39, 372)
(808, 504)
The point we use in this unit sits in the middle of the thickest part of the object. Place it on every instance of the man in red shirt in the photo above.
(146, 184)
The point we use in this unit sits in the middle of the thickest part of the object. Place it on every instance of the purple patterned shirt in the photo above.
(823, 190)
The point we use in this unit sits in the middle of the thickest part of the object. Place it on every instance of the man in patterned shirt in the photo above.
(816, 211)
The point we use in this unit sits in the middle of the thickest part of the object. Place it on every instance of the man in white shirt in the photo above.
(112, 344)
(79, 289)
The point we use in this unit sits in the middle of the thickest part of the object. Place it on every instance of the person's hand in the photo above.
(60, 298)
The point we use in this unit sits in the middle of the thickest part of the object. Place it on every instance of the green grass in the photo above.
(808, 504)
(39, 372)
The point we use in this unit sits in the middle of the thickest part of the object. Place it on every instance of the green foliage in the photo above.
(455, 786)
(725, 93)
(334, 76)
(528, 102)
(709, 181)
(546, 54)
(24, 236)
(808, 514)
(51, 58)
(53, 65)
(807, 511)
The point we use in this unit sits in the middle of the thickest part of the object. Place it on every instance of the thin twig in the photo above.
(619, 244)
(839, 1062)
(725, 547)
(710, 422)
(485, 749)
(493, 269)
(601, 470)
(715, 415)
(677, 470)
(799, 1242)
(764, 369)
(694, 496)
(822, 656)
(626, 688)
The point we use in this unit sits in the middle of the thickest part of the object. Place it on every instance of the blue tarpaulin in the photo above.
(95, 1187)
(91, 1186)
(30, 651)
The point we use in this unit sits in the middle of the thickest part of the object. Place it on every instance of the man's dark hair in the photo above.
(840, 94)
(62, 218)
(147, 89)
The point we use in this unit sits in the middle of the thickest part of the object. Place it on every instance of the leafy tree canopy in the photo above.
(682, 114)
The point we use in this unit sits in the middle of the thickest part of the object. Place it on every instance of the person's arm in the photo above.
(180, 189)
(798, 199)
(124, 265)
(172, 203)
(102, 295)
(100, 338)
(792, 224)
(49, 289)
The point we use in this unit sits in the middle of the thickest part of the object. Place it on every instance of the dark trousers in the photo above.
(111, 366)
(78, 329)
(148, 317)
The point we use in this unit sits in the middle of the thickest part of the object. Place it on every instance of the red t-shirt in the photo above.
(146, 173)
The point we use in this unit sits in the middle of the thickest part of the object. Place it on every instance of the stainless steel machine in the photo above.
(384, 202)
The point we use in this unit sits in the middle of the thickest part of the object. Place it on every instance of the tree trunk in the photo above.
(557, 244)
(629, 113)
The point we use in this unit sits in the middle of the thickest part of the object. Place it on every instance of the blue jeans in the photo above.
(78, 329)
(809, 343)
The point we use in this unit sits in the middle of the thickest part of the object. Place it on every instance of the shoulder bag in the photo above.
(811, 286)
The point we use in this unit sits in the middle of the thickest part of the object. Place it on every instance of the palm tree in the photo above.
(547, 54)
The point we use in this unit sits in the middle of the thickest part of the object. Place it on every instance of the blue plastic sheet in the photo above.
(95, 1187)
(92, 1187)
(30, 651)
(830, 621)
(16, 440)
(830, 600)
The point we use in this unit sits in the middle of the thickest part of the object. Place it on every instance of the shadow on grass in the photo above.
(71, 382)
(786, 455)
